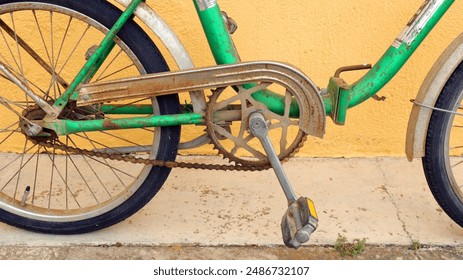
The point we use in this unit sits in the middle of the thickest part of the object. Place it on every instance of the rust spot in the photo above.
(108, 124)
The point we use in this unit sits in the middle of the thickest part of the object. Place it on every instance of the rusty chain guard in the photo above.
(312, 118)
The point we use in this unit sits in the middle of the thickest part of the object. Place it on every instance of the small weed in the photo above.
(416, 245)
(349, 249)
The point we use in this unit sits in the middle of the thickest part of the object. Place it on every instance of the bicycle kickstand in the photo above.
(301, 219)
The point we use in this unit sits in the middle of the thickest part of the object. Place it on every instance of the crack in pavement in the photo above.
(391, 198)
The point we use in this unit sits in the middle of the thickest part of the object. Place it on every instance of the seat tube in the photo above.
(218, 37)
(224, 51)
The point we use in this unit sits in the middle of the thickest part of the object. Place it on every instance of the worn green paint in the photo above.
(384, 70)
(100, 54)
(127, 109)
(66, 127)
(340, 100)
(218, 37)
(142, 109)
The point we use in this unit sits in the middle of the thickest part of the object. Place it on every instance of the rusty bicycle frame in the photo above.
(304, 104)
(337, 99)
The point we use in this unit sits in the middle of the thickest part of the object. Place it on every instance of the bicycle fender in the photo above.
(432, 86)
(171, 41)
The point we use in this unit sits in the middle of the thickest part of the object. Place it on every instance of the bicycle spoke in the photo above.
(11, 132)
(61, 46)
(109, 148)
(34, 188)
(74, 49)
(41, 36)
(18, 157)
(21, 69)
(117, 71)
(93, 170)
(107, 66)
(120, 138)
(78, 171)
(51, 177)
(9, 48)
(6, 104)
(97, 143)
(54, 167)
(56, 76)
(19, 170)
(114, 169)
(105, 161)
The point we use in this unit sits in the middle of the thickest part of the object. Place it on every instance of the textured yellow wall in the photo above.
(318, 37)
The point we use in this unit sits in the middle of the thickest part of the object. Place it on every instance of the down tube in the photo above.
(398, 54)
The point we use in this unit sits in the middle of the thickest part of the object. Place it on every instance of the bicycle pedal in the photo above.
(299, 222)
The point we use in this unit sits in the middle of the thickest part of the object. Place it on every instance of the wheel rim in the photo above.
(63, 187)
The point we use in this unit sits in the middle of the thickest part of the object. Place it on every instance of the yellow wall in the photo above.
(318, 37)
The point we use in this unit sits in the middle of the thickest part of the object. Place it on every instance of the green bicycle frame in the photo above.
(338, 99)
(340, 96)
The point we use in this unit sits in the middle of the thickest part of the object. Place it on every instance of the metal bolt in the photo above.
(34, 130)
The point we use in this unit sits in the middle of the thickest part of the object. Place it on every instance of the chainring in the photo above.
(235, 142)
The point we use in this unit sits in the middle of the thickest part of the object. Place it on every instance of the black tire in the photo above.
(443, 156)
(152, 61)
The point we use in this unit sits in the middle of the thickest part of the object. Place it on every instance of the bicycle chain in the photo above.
(153, 162)
(160, 163)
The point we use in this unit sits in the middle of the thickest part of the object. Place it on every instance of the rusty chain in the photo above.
(159, 163)
(153, 162)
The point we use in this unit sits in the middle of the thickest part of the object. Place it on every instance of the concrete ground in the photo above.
(233, 215)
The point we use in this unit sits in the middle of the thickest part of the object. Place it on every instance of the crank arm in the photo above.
(301, 219)
(259, 128)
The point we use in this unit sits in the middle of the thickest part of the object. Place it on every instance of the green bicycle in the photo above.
(91, 117)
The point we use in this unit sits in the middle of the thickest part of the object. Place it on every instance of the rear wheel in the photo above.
(45, 43)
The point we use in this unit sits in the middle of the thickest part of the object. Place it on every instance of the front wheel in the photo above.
(45, 43)
(443, 162)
